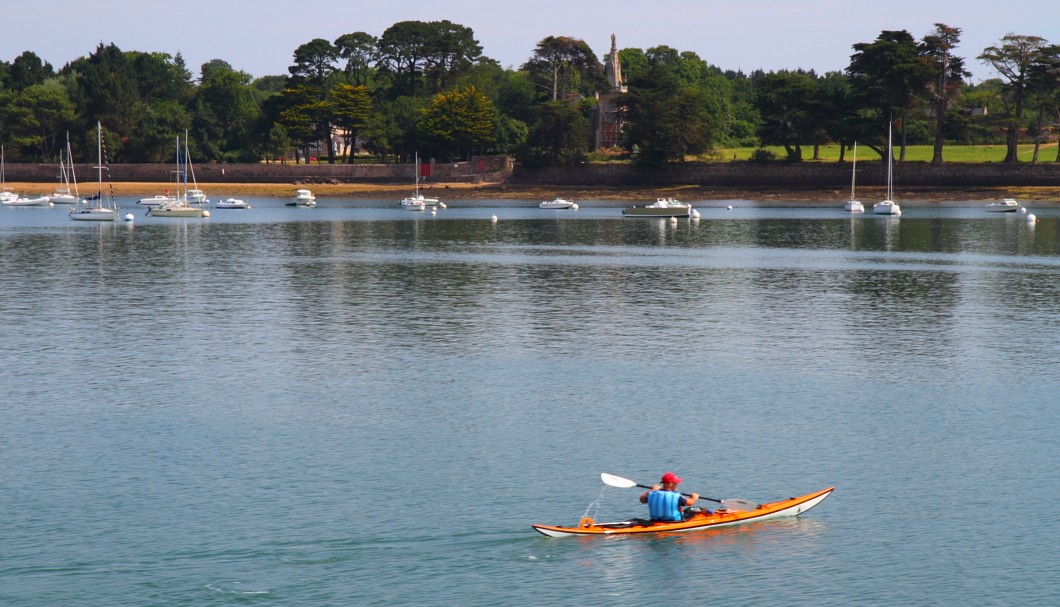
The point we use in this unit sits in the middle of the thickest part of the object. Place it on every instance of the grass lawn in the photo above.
(913, 153)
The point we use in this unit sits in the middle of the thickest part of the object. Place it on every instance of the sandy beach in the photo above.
(508, 191)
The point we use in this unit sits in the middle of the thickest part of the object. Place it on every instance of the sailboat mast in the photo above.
(890, 160)
(99, 154)
(854, 171)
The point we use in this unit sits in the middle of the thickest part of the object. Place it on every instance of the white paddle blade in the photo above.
(737, 504)
(617, 481)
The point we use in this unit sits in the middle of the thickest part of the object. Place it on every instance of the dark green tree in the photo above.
(1013, 59)
(888, 77)
(358, 50)
(563, 66)
(28, 69)
(949, 75)
(351, 107)
(559, 136)
(787, 102)
(666, 121)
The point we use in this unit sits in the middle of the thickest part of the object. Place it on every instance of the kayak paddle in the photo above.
(728, 504)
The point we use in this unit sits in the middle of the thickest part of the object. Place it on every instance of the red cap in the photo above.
(670, 477)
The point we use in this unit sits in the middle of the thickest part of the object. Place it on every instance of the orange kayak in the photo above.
(701, 520)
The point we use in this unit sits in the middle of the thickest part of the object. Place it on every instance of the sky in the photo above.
(260, 36)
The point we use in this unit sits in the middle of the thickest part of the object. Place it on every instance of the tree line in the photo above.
(427, 87)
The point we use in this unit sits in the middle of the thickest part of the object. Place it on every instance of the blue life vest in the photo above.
(665, 505)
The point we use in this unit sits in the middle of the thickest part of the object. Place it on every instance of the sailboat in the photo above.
(180, 206)
(418, 202)
(853, 205)
(888, 206)
(62, 194)
(6, 194)
(100, 207)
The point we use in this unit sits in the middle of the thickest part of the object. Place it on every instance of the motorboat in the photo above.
(23, 201)
(662, 207)
(232, 203)
(410, 204)
(558, 203)
(1007, 205)
(101, 206)
(154, 201)
(302, 198)
(197, 196)
(888, 206)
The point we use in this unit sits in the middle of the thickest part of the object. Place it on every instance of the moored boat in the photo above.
(302, 198)
(700, 520)
(232, 203)
(662, 207)
(1007, 205)
(558, 203)
(154, 201)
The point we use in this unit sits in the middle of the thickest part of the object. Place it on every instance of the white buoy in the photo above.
(1031, 218)
(205, 213)
(493, 218)
(673, 220)
(434, 212)
(1023, 210)
(695, 214)
(574, 206)
(729, 207)
(129, 218)
(441, 205)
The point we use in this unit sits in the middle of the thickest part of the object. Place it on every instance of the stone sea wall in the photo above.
(795, 176)
(492, 169)
(479, 169)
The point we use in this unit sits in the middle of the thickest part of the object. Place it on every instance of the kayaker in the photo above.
(663, 500)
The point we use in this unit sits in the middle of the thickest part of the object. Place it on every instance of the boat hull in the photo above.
(163, 211)
(886, 208)
(722, 518)
(99, 214)
(680, 211)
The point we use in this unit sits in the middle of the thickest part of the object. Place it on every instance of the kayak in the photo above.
(793, 506)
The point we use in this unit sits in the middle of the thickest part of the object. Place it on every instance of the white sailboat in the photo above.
(853, 205)
(6, 195)
(181, 206)
(888, 206)
(67, 177)
(100, 207)
(418, 202)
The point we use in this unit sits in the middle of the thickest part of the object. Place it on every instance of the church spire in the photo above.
(613, 68)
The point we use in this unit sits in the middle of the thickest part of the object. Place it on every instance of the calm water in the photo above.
(366, 406)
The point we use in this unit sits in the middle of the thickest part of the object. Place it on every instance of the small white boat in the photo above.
(21, 201)
(418, 202)
(303, 198)
(179, 208)
(232, 203)
(853, 205)
(197, 197)
(889, 206)
(558, 203)
(1007, 205)
(662, 207)
(61, 197)
(154, 201)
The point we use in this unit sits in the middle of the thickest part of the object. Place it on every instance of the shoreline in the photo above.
(509, 191)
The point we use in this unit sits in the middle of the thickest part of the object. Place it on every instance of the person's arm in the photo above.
(644, 496)
(691, 499)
